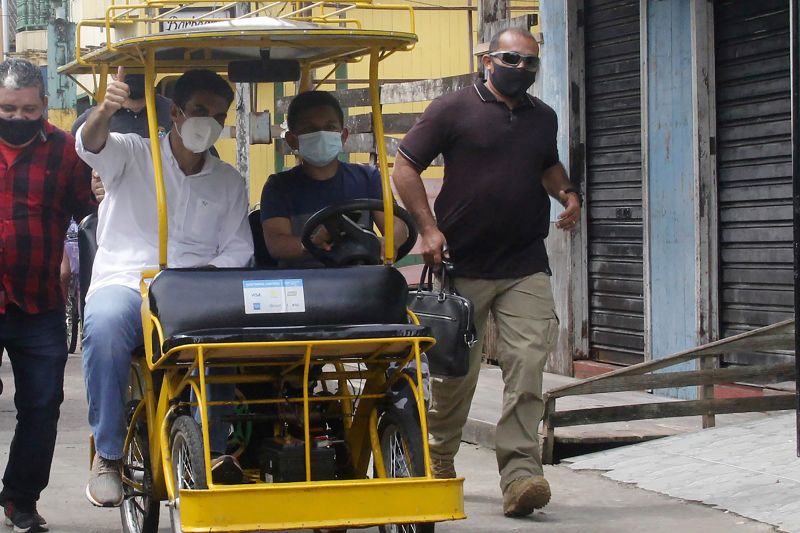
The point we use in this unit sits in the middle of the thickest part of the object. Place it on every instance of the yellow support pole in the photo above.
(202, 408)
(155, 144)
(383, 162)
(307, 413)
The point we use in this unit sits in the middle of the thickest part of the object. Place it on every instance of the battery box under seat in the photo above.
(215, 306)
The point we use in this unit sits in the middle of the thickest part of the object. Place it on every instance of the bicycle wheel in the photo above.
(188, 465)
(139, 511)
(401, 446)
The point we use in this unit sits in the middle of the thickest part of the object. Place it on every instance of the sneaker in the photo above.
(105, 483)
(24, 521)
(226, 470)
(443, 468)
(524, 495)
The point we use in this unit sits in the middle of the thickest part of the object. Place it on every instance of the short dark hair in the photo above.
(309, 100)
(20, 73)
(198, 80)
(494, 45)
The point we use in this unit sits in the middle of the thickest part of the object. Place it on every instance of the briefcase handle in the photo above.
(447, 285)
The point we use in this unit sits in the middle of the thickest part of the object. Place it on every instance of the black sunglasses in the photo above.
(513, 59)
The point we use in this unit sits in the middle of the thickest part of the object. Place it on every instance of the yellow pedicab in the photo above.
(317, 351)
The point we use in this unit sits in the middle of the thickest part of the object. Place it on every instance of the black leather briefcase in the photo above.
(450, 319)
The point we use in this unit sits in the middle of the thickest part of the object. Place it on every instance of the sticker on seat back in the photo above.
(273, 296)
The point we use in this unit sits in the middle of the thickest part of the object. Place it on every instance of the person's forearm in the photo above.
(94, 132)
(555, 179)
(400, 233)
(408, 183)
(285, 247)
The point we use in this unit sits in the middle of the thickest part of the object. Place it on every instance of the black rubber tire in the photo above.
(73, 321)
(139, 513)
(400, 436)
(188, 464)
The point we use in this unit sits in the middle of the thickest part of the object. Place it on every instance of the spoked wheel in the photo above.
(188, 465)
(401, 445)
(139, 511)
(73, 321)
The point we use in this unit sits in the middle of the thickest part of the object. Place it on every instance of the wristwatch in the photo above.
(576, 192)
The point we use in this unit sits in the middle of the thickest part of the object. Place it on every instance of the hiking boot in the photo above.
(105, 482)
(226, 470)
(443, 468)
(524, 495)
(24, 521)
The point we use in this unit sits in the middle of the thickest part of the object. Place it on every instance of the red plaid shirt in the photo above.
(45, 185)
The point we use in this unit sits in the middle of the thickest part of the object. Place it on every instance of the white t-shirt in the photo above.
(207, 212)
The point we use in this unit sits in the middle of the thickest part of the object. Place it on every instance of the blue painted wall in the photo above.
(671, 181)
(552, 82)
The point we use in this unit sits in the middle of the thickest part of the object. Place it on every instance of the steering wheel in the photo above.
(351, 243)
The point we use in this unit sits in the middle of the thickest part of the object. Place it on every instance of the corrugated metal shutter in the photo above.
(754, 166)
(614, 180)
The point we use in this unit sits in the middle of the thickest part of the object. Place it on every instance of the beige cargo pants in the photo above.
(527, 328)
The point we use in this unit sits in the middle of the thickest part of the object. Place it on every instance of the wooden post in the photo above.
(490, 11)
(243, 117)
(706, 391)
(548, 446)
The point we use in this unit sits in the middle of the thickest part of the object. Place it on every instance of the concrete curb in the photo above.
(479, 432)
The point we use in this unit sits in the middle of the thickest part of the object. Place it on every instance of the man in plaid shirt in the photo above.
(43, 184)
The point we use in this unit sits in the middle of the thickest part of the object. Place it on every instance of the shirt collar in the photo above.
(47, 130)
(487, 95)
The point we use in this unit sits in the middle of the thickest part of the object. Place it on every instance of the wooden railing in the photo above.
(641, 377)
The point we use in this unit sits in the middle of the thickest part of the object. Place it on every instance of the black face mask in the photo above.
(19, 132)
(511, 81)
(135, 86)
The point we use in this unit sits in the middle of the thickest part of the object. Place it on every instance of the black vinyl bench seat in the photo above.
(215, 306)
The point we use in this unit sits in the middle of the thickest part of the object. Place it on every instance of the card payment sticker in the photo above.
(273, 296)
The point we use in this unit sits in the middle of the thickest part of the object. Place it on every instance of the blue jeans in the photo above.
(37, 349)
(112, 329)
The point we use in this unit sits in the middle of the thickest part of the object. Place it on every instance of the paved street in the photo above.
(582, 501)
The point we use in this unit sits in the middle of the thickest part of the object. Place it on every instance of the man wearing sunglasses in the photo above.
(493, 214)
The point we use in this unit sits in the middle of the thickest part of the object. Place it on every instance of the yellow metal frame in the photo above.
(363, 501)
(269, 506)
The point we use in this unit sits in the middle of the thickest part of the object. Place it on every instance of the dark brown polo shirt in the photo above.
(492, 208)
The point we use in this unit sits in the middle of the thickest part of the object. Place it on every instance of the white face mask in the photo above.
(319, 148)
(199, 133)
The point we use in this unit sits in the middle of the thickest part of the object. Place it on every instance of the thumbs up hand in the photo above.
(116, 94)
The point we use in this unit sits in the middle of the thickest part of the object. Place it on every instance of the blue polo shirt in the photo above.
(292, 194)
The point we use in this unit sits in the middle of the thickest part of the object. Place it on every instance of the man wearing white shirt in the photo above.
(207, 207)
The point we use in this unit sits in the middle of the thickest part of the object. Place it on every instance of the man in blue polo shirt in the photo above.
(317, 134)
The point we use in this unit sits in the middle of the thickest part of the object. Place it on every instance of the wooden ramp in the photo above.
(488, 402)
(613, 407)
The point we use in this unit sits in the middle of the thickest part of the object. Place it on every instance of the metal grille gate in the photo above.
(614, 180)
(753, 167)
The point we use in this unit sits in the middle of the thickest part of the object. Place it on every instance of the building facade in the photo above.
(678, 131)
